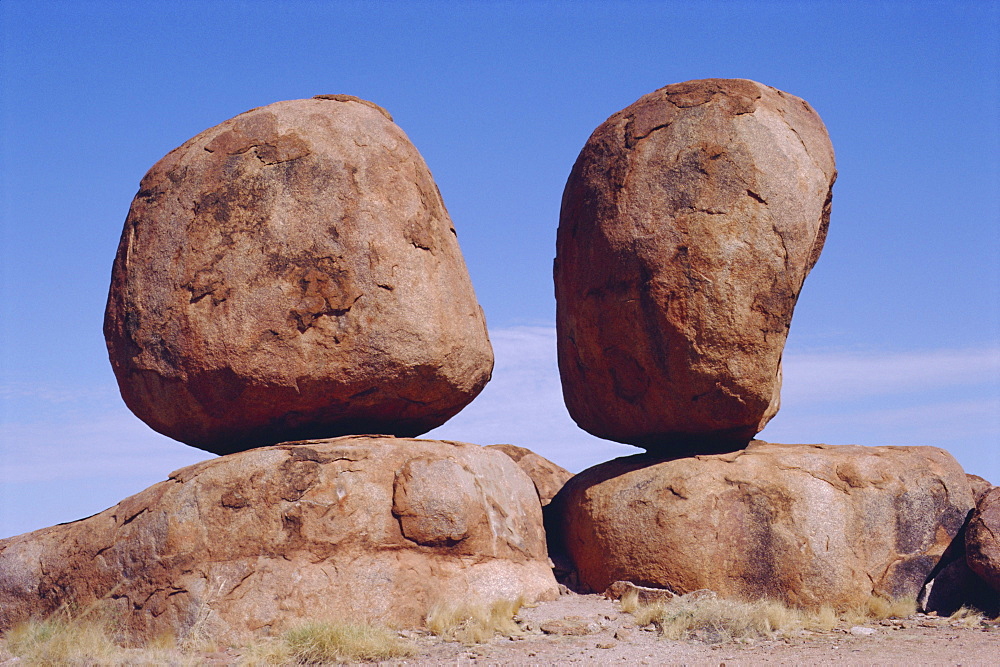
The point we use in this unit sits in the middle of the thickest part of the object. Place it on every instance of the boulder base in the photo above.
(293, 273)
(688, 225)
(806, 524)
(358, 528)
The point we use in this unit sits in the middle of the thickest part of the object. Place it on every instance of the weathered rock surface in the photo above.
(547, 476)
(806, 524)
(292, 273)
(980, 487)
(982, 539)
(350, 528)
(688, 225)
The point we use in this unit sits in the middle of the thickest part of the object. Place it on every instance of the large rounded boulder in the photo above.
(809, 525)
(293, 273)
(355, 528)
(688, 225)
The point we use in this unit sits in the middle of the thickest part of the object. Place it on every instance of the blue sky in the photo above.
(896, 338)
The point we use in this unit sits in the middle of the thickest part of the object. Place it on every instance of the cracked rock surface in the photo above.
(353, 528)
(688, 225)
(293, 273)
(805, 524)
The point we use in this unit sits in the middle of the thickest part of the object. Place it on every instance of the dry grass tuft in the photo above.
(902, 607)
(475, 624)
(967, 617)
(823, 619)
(878, 608)
(320, 643)
(62, 640)
(89, 639)
(199, 635)
(715, 620)
(630, 601)
(270, 651)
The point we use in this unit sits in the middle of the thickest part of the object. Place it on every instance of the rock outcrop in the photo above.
(292, 273)
(688, 225)
(351, 528)
(980, 487)
(806, 524)
(547, 476)
(982, 539)
(954, 585)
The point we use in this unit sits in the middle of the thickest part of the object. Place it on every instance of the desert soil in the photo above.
(591, 630)
(613, 638)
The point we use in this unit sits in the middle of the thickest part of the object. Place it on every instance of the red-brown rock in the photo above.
(980, 487)
(354, 528)
(547, 476)
(293, 273)
(809, 525)
(982, 539)
(688, 225)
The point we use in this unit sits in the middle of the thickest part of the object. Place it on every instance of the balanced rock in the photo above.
(809, 525)
(982, 539)
(354, 528)
(688, 225)
(293, 273)
(547, 476)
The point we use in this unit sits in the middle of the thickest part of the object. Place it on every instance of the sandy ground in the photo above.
(612, 638)
(591, 630)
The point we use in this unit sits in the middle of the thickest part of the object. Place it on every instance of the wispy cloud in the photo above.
(55, 439)
(12, 393)
(947, 398)
(67, 453)
(975, 421)
(523, 405)
(823, 376)
(108, 444)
